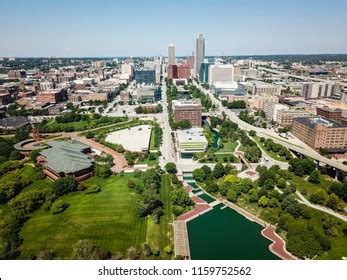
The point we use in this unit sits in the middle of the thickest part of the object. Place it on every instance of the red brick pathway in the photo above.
(278, 245)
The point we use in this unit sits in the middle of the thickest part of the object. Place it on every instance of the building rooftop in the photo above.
(14, 122)
(66, 156)
(193, 135)
(329, 109)
(186, 103)
(314, 121)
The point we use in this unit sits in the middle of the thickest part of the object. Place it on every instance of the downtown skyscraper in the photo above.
(199, 52)
(171, 54)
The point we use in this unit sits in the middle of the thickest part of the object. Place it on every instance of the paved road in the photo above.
(293, 144)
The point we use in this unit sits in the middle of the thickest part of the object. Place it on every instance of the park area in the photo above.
(107, 218)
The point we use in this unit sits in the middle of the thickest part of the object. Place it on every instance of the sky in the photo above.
(100, 28)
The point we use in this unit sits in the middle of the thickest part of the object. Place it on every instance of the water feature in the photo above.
(223, 233)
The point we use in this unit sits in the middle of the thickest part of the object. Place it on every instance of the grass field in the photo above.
(269, 153)
(228, 147)
(151, 143)
(107, 218)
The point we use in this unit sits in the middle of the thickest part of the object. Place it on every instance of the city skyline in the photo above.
(108, 29)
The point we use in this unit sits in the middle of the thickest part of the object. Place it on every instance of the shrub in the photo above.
(59, 206)
(93, 189)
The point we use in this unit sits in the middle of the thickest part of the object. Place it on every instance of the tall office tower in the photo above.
(199, 53)
(171, 54)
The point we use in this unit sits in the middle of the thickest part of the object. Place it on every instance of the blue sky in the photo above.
(146, 27)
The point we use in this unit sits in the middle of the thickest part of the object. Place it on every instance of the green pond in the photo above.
(224, 234)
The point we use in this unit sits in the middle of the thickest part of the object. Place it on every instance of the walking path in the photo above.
(278, 246)
(181, 240)
(119, 160)
(303, 200)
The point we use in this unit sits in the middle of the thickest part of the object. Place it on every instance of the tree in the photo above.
(232, 195)
(300, 167)
(319, 197)
(86, 250)
(199, 175)
(263, 201)
(171, 168)
(22, 133)
(89, 134)
(103, 170)
(252, 133)
(211, 186)
(64, 185)
(218, 171)
(314, 177)
(333, 201)
(184, 124)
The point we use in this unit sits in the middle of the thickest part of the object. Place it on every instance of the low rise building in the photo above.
(319, 132)
(51, 96)
(271, 109)
(220, 73)
(334, 114)
(66, 158)
(285, 117)
(262, 88)
(191, 141)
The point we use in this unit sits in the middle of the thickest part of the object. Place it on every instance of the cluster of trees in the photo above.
(148, 193)
(149, 110)
(206, 101)
(237, 104)
(18, 110)
(7, 151)
(66, 122)
(184, 124)
(181, 201)
(270, 145)
(131, 157)
(258, 121)
(208, 176)
(301, 167)
(158, 135)
(103, 170)
(251, 150)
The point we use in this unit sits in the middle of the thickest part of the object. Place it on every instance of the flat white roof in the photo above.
(135, 139)
(194, 134)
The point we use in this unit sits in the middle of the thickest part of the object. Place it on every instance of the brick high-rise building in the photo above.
(183, 71)
(319, 132)
(187, 110)
(172, 71)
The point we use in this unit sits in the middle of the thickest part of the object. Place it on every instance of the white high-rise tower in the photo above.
(171, 54)
(199, 53)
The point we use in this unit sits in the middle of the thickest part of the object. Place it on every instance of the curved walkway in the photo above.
(278, 246)
(320, 208)
(119, 160)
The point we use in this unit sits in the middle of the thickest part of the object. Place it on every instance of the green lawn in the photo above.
(149, 162)
(107, 218)
(228, 147)
(269, 153)
(80, 125)
(161, 235)
(151, 144)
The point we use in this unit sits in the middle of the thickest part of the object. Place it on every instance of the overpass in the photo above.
(286, 74)
(293, 144)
